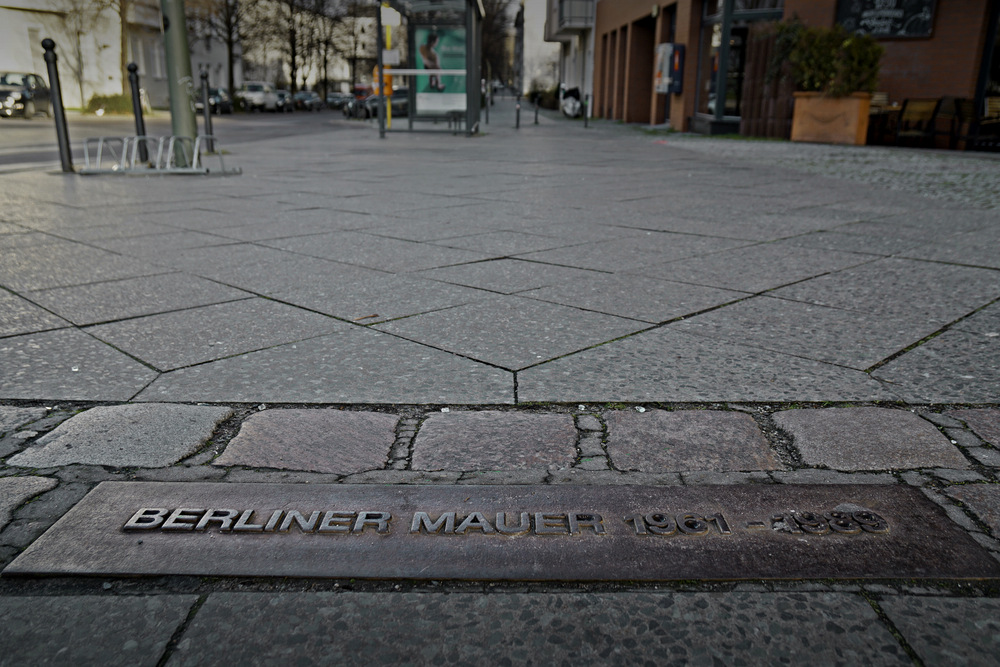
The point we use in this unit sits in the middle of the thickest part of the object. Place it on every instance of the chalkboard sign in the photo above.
(887, 18)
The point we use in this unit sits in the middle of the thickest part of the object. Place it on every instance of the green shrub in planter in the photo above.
(831, 61)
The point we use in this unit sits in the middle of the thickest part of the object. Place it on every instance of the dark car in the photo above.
(24, 95)
(307, 100)
(400, 102)
(218, 101)
(338, 100)
(285, 101)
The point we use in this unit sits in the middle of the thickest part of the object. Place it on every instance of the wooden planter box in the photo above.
(831, 120)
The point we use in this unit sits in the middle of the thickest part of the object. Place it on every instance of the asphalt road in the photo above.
(33, 144)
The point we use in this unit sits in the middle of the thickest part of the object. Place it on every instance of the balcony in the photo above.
(575, 16)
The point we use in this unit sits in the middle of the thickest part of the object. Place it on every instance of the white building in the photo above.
(89, 42)
(570, 23)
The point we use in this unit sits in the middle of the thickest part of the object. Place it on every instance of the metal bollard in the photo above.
(536, 111)
(140, 125)
(517, 116)
(207, 109)
(62, 132)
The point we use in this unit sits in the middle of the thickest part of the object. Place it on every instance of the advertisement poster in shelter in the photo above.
(440, 48)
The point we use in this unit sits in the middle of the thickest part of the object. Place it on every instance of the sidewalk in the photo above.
(549, 309)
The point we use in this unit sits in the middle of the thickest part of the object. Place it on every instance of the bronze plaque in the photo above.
(552, 533)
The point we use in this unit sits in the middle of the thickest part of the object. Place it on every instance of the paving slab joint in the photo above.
(873, 602)
(178, 634)
(956, 511)
(221, 436)
(782, 442)
(401, 452)
(591, 443)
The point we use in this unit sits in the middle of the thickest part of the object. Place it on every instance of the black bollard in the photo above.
(517, 116)
(536, 111)
(207, 111)
(62, 132)
(140, 124)
(586, 106)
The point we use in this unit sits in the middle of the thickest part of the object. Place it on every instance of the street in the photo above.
(26, 144)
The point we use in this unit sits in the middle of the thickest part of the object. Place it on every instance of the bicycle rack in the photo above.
(120, 155)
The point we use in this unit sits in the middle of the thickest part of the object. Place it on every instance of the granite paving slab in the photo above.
(89, 629)
(868, 439)
(214, 260)
(948, 631)
(300, 222)
(26, 239)
(845, 239)
(970, 249)
(543, 628)
(898, 287)
(985, 322)
(746, 227)
(667, 365)
(372, 299)
(332, 441)
(150, 247)
(837, 336)
(376, 252)
(983, 500)
(755, 268)
(630, 252)
(409, 229)
(985, 422)
(12, 417)
(636, 297)
(955, 367)
(183, 338)
(89, 233)
(491, 440)
(148, 435)
(507, 276)
(61, 265)
(288, 273)
(15, 491)
(133, 297)
(685, 440)
(354, 365)
(505, 242)
(511, 332)
(67, 364)
(20, 316)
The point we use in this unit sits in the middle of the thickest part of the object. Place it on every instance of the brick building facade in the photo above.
(952, 52)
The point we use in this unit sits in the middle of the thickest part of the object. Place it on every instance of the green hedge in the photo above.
(112, 104)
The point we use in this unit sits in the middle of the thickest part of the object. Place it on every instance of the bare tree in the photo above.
(354, 36)
(84, 17)
(497, 24)
(221, 19)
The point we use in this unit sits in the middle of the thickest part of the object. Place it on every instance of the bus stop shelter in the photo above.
(442, 42)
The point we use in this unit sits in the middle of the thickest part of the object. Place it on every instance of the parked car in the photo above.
(338, 100)
(218, 101)
(24, 95)
(307, 100)
(285, 101)
(259, 96)
(399, 101)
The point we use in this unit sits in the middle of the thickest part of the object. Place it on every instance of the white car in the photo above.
(259, 96)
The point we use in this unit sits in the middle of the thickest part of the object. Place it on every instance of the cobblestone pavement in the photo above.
(554, 307)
